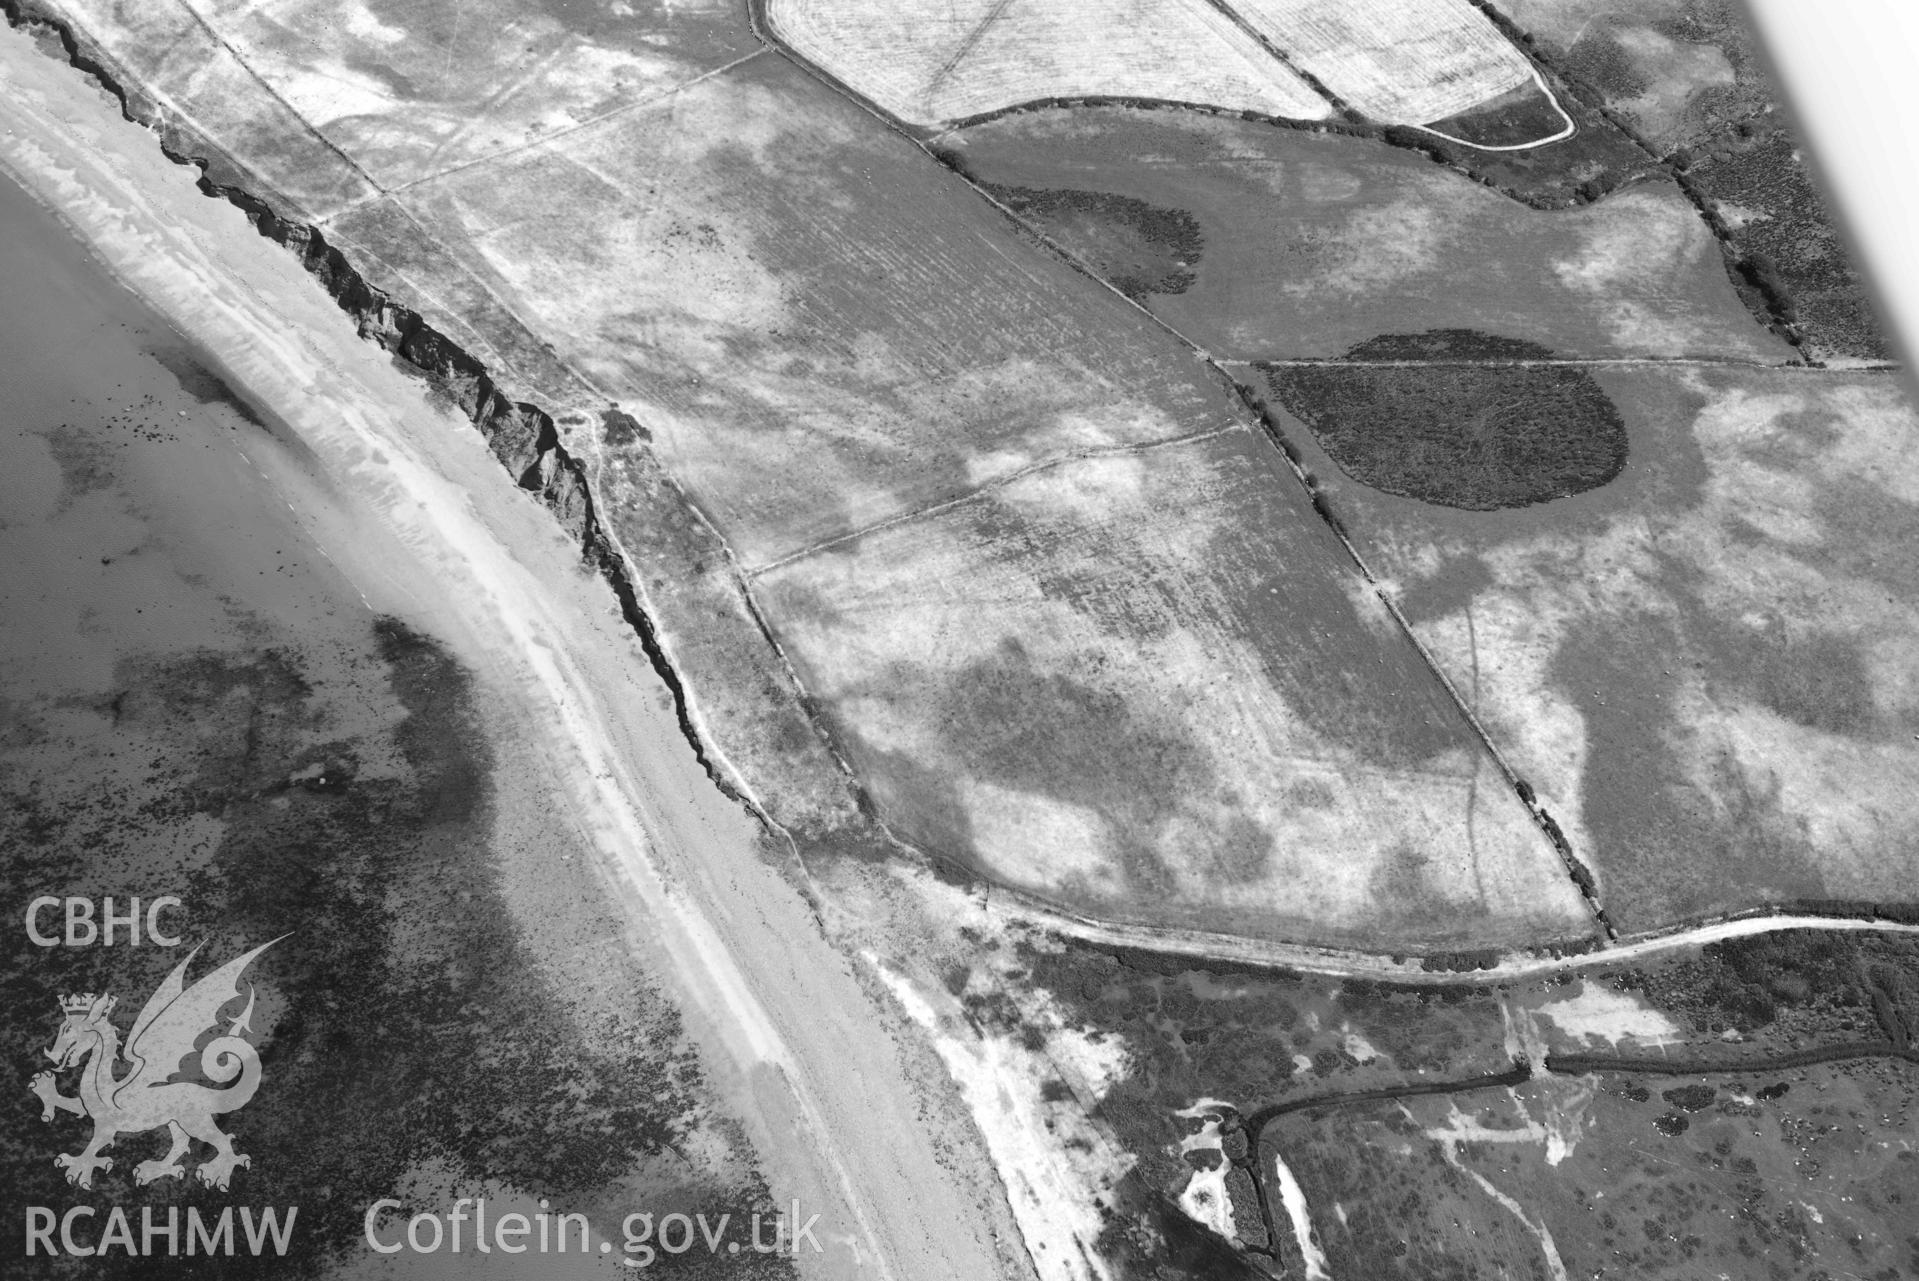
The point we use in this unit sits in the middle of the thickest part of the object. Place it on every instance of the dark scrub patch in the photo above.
(1792, 268)
(1139, 247)
(1598, 59)
(403, 1021)
(1691, 1098)
(620, 428)
(1147, 1235)
(1478, 437)
(201, 383)
(1446, 344)
(1667, 846)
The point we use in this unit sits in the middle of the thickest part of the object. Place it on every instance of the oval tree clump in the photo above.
(1458, 418)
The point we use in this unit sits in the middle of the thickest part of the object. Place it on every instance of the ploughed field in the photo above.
(1188, 520)
(1384, 60)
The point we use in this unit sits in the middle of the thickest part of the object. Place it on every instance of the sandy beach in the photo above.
(403, 503)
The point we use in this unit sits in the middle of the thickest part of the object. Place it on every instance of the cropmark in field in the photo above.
(398, 89)
(1147, 685)
(938, 62)
(818, 329)
(1304, 244)
(807, 333)
(1704, 667)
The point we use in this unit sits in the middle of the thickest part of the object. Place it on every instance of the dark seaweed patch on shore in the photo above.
(1475, 436)
(201, 383)
(1139, 248)
(405, 1020)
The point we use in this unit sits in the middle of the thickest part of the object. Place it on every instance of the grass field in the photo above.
(428, 85)
(959, 58)
(1704, 666)
(1311, 243)
(208, 104)
(806, 378)
(1145, 684)
(813, 330)
(811, 322)
(1394, 61)
(396, 90)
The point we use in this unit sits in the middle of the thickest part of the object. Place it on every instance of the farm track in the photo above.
(1571, 126)
(987, 487)
(1549, 829)
(1239, 951)
(625, 108)
(1580, 1064)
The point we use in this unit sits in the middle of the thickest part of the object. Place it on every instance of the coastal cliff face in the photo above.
(210, 708)
(717, 631)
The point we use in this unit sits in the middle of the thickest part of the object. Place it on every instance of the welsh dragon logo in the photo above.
(146, 1097)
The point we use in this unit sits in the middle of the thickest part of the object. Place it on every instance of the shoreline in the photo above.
(719, 921)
